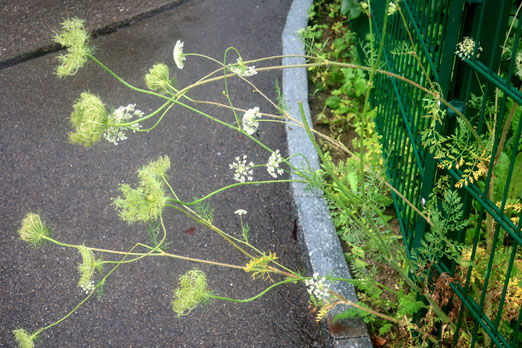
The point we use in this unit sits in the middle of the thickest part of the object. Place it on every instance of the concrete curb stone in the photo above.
(317, 236)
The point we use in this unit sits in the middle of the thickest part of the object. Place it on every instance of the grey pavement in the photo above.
(72, 187)
(25, 24)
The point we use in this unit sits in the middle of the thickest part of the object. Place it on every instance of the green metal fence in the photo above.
(484, 86)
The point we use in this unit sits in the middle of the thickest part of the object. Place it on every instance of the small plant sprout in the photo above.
(178, 55)
(242, 170)
(250, 124)
(23, 339)
(242, 69)
(317, 288)
(33, 230)
(89, 119)
(75, 38)
(115, 131)
(146, 202)
(272, 165)
(466, 48)
(192, 291)
(157, 79)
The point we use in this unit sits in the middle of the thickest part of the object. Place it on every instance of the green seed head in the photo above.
(145, 202)
(192, 291)
(158, 77)
(156, 168)
(33, 230)
(73, 33)
(75, 38)
(86, 268)
(89, 119)
(23, 339)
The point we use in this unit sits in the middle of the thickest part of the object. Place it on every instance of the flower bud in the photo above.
(145, 202)
(75, 38)
(192, 291)
(157, 77)
(33, 230)
(86, 269)
(89, 119)
(23, 339)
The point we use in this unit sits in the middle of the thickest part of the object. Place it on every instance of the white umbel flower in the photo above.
(241, 69)
(392, 8)
(317, 287)
(250, 123)
(87, 287)
(242, 170)
(178, 55)
(115, 133)
(466, 47)
(240, 212)
(272, 165)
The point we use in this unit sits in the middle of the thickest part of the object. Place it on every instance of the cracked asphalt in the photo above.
(72, 187)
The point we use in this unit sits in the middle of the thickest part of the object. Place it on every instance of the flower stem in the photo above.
(257, 296)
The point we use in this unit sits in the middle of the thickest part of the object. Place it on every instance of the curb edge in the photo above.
(318, 240)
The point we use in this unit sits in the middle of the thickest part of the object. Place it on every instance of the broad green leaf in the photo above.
(351, 9)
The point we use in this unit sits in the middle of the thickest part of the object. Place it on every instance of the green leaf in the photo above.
(385, 329)
(515, 121)
(408, 305)
(515, 188)
(353, 180)
(351, 9)
(354, 313)
(333, 102)
(501, 173)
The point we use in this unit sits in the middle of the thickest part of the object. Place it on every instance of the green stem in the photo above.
(125, 124)
(323, 62)
(230, 186)
(88, 296)
(213, 228)
(158, 121)
(258, 295)
(66, 316)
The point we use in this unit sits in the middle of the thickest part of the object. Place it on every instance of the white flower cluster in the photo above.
(392, 8)
(466, 47)
(250, 123)
(273, 164)
(242, 170)
(178, 55)
(364, 6)
(241, 69)
(87, 287)
(317, 287)
(240, 212)
(115, 133)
